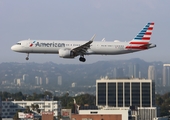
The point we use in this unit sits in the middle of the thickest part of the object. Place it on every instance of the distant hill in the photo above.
(80, 74)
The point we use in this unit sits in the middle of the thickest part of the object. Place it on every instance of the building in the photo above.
(41, 81)
(134, 71)
(19, 82)
(25, 78)
(151, 72)
(9, 108)
(73, 84)
(66, 114)
(47, 116)
(122, 93)
(102, 115)
(37, 80)
(59, 80)
(118, 73)
(166, 75)
(46, 81)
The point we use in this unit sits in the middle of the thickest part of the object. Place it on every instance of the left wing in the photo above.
(81, 50)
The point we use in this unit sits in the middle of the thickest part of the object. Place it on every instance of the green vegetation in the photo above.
(163, 101)
(66, 100)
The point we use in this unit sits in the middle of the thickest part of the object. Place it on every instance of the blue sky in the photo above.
(79, 20)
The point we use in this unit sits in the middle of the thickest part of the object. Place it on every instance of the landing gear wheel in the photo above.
(27, 58)
(82, 59)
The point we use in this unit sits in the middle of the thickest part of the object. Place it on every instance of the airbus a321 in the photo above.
(72, 49)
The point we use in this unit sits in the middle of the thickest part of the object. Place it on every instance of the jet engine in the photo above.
(66, 53)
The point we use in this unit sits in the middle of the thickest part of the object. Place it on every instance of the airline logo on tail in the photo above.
(142, 39)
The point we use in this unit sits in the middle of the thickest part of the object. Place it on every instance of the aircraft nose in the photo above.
(14, 48)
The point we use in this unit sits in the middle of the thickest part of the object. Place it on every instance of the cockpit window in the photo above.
(18, 43)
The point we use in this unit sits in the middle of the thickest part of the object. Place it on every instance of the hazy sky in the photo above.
(79, 20)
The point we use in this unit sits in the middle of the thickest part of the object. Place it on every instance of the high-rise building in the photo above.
(46, 81)
(122, 93)
(41, 81)
(19, 82)
(151, 72)
(25, 78)
(134, 70)
(59, 80)
(118, 73)
(125, 92)
(37, 79)
(166, 75)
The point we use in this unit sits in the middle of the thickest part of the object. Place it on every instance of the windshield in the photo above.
(18, 43)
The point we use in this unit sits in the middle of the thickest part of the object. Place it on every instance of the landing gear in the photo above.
(82, 59)
(27, 58)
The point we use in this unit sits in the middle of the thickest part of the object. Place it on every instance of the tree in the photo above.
(163, 101)
(37, 108)
(16, 115)
(33, 107)
(27, 109)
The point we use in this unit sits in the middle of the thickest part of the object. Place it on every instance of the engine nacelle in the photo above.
(66, 53)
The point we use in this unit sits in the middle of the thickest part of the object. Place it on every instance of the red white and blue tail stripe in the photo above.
(143, 37)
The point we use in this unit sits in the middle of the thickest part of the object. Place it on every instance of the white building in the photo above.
(37, 79)
(19, 82)
(73, 84)
(41, 81)
(166, 75)
(25, 77)
(46, 81)
(59, 80)
(151, 72)
(9, 108)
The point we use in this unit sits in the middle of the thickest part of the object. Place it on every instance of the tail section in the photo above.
(143, 37)
(141, 41)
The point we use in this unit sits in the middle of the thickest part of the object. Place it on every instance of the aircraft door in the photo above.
(30, 45)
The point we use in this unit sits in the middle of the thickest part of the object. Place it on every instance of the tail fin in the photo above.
(143, 37)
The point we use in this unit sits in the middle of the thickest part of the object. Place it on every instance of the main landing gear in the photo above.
(82, 59)
(27, 57)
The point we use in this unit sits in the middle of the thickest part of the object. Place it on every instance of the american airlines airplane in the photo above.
(72, 49)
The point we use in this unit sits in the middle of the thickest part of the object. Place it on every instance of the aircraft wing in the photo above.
(81, 50)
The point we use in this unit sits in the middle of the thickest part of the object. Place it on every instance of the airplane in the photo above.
(72, 49)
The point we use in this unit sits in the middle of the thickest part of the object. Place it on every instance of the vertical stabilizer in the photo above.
(143, 37)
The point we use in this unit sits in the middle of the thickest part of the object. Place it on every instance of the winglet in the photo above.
(93, 37)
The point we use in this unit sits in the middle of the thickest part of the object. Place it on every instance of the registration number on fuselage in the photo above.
(114, 46)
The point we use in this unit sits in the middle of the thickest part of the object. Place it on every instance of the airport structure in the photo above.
(139, 94)
(10, 108)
